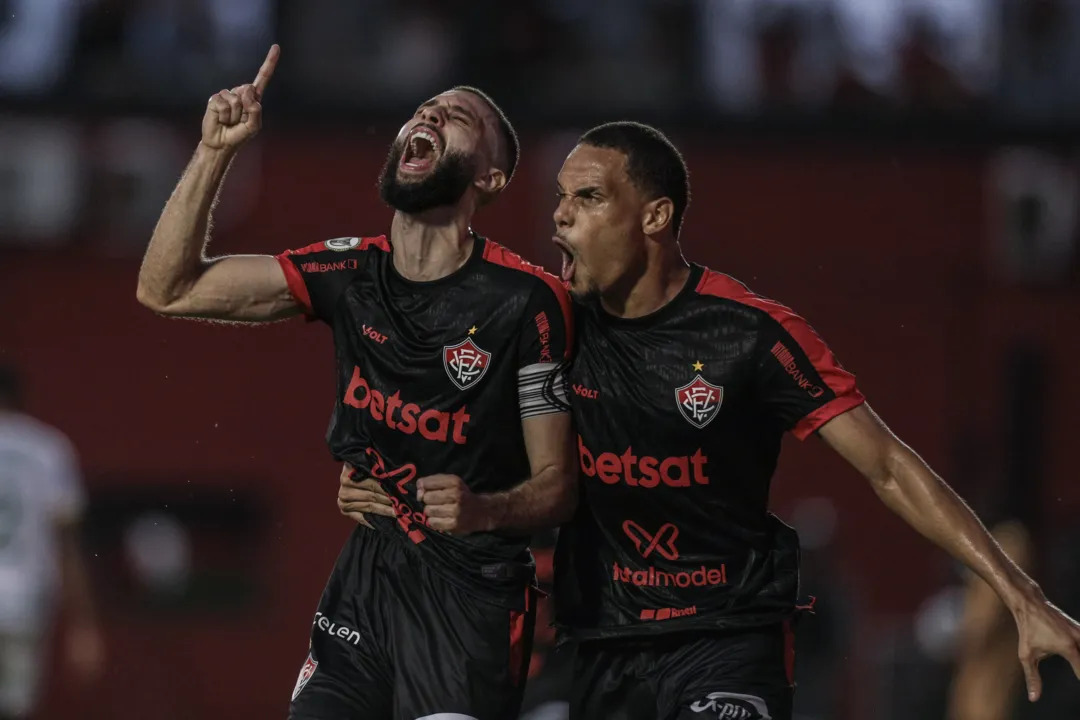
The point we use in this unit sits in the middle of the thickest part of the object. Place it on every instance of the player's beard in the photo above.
(443, 187)
(588, 295)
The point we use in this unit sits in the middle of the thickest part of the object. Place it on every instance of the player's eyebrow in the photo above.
(454, 107)
(464, 111)
(580, 192)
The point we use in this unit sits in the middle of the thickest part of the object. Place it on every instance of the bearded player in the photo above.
(449, 355)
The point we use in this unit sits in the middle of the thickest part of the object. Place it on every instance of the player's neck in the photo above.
(430, 246)
(665, 275)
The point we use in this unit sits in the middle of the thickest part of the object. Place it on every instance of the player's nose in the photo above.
(562, 215)
(433, 115)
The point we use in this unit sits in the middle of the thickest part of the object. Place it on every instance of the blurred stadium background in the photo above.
(904, 173)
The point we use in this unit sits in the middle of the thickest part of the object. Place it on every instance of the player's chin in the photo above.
(578, 285)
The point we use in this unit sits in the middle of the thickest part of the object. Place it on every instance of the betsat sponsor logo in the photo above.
(644, 471)
(406, 417)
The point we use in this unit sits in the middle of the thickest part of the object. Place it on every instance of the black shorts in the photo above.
(393, 640)
(743, 675)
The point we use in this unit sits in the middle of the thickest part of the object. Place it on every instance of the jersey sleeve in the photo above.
(544, 349)
(318, 274)
(799, 379)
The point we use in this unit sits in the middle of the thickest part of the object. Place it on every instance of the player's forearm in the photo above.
(544, 501)
(912, 490)
(175, 259)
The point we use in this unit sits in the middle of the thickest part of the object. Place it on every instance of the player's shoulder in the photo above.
(724, 291)
(523, 274)
(352, 245)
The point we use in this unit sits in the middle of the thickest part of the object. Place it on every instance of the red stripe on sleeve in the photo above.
(497, 254)
(313, 248)
(835, 407)
(379, 242)
(295, 280)
(839, 380)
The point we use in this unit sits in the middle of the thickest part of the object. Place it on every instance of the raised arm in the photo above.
(176, 277)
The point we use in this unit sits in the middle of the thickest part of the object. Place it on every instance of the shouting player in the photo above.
(449, 351)
(674, 578)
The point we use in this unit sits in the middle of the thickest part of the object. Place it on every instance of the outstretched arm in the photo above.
(176, 278)
(907, 485)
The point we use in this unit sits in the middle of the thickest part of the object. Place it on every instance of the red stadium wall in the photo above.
(884, 254)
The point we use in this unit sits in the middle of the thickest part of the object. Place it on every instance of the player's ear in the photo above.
(656, 215)
(491, 182)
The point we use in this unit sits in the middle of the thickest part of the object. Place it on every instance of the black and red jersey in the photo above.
(680, 416)
(436, 377)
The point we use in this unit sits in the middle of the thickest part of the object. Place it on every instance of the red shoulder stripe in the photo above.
(295, 280)
(499, 255)
(839, 380)
(379, 242)
(313, 248)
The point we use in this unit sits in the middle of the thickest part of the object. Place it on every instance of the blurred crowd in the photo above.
(1012, 59)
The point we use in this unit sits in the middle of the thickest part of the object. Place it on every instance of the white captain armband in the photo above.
(542, 389)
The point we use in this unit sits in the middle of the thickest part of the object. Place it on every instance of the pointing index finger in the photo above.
(267, 69)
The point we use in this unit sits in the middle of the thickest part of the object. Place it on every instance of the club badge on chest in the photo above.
(699, 400)
(466, 363)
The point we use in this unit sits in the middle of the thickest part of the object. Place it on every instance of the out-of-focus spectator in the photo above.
(41, 503)
(617, 55)
(178, 48)
(36, 40)
(1040, 75)
(40, 180)
(951, 53)
(772, 52)
(988, 675)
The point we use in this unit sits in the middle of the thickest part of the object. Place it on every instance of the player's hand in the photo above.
(358, 498)
(86, 651)
(1045, 631)
(235, 116)
(450, 506)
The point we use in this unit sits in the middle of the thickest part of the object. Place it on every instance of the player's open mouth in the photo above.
(422, 148)
(568, 260)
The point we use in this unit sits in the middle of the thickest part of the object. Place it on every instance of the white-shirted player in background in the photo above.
(41, 503)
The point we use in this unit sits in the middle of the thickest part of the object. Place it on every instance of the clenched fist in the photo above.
(235, 116)
(450, 506)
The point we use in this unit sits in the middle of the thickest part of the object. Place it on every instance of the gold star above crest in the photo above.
(472, 330)
(698, 366)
